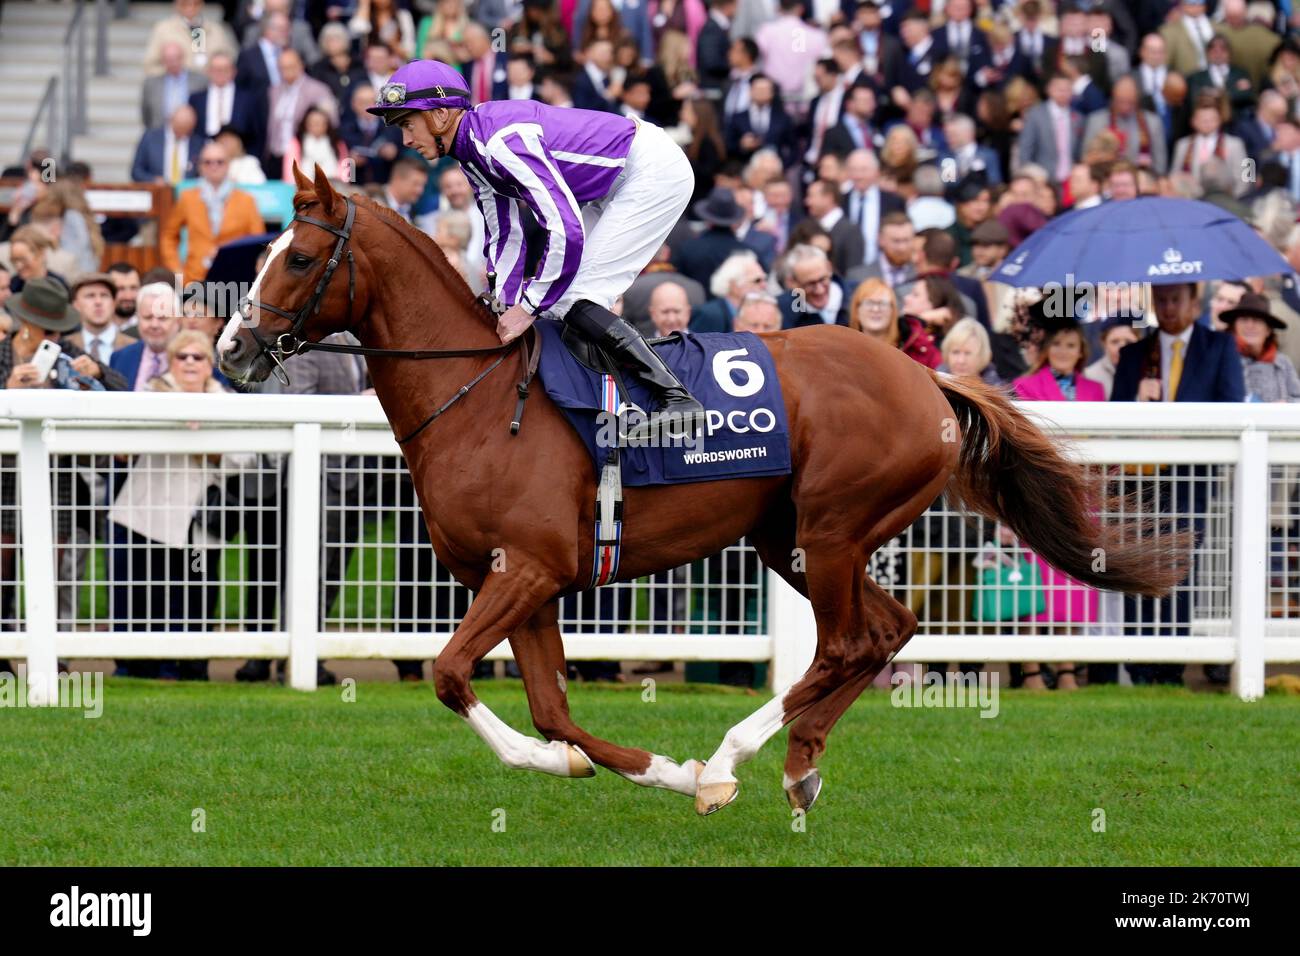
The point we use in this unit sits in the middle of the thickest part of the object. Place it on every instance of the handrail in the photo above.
(74, 92)
(48, 101)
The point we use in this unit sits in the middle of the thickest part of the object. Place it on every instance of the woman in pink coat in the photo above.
(1057, 376)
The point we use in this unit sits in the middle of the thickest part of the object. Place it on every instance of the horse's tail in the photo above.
(1008, 470)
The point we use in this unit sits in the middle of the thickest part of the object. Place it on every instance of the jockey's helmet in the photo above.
(421, 85)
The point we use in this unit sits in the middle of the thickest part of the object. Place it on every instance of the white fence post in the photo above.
(793, 629)
(302, 598)
(1250, 534)
(41, 594)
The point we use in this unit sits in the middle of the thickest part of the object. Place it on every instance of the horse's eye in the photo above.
(299, 261)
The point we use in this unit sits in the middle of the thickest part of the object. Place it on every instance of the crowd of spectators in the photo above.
(866, 164)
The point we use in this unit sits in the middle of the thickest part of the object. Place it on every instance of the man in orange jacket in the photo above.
(214, 213)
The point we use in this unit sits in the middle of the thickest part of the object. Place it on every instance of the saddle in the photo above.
(591, 355)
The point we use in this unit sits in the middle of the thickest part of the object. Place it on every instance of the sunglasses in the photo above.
(190, 357)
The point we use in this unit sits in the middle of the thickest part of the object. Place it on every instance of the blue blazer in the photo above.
(983, 155)
(150, 161)
(246, 115)
(764, 246)
(1211, 368)
(779, 135)
(127, 361)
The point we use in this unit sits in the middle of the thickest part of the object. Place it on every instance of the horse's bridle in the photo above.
(289, 343)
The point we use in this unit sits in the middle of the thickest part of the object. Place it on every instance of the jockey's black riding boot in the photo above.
(678, 409)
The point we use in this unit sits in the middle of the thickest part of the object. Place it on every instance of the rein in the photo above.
(289, 343)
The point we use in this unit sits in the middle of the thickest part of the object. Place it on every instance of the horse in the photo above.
(875, 439)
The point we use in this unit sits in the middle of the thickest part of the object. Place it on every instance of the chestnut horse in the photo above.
(875, 439)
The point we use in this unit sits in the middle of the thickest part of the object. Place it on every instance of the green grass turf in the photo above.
(393, 778)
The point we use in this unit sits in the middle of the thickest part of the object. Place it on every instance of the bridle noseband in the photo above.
(289, 342)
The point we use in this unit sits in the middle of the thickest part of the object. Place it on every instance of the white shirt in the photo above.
(221, 104)
(833, 303)
(106, 338)
(1167, 355)
(829, 221)
(1153, 79)
(520, 92)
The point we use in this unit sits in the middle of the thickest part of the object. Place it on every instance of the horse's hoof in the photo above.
(580, 764)
(803, 794)
(712, 797)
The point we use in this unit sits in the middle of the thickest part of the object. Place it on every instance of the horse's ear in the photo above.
(302, 182)
(329, 199)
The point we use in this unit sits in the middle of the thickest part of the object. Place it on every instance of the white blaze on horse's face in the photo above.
(232, 327)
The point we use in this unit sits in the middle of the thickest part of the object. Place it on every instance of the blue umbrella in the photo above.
(1151, 239)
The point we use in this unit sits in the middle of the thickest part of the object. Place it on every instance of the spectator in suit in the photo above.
(822, 201)
(1252, 43)
(257, 68)
(874, 310)
(1257, 130)
(739, 275)
(711, 48)
(163, 94)
(919, 60)
(758, 313)
(763, 124)
(881, 50)
(169, 153)
(824, 110)
(405, 186)
(99, 337)
(1210, 141)
(760, 241)
(1183, 362)
(961, 39)
(896, 264)
(920, 119)
(700, 257)
(967, 155)
(1006, 61)
(1078, 55)
(593, 86)
(1187, 36)
(300, 35)
(865, 203)
(857, 128)
(636, 300)
(1141, 133)
(1034, 44)
(1052, 136)
(372, 146)
(289, 102)
(186, 25)
(159, 318)
(213, 213)
(521, 79)
(337, 68)
(484, 68)
(779, 216)
(815, 295)
(1285, 149)
(790, 64)
(743, 57)
(1089, 96)
(1219, 74)
(224, 104)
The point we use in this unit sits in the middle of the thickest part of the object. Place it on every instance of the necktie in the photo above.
(1175, 369)
(1062, 146)
(859, 201)
(97, 350)
(176, 163)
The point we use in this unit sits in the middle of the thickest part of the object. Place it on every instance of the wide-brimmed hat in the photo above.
(44, 303)
(720, 208)
(1252, 306)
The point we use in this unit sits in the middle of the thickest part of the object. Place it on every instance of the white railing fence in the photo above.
(308, 545)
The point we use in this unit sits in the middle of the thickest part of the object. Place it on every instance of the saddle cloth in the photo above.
(746, 434)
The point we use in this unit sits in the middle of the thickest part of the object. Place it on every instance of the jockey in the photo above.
(607, 189)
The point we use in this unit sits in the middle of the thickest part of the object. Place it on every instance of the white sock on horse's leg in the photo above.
(668, 774)
(521, 752)
(744, 740)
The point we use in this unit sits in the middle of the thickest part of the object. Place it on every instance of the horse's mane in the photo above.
(452, 280)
